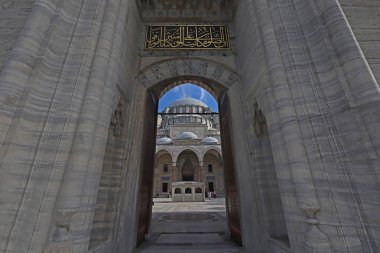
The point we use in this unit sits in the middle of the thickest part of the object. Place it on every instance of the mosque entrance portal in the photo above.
(185, 162)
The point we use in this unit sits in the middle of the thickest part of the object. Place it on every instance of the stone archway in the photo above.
(165, 75)
(163, 168)
(222, 81)
(179, 152)
(188, 164)
(213, 169)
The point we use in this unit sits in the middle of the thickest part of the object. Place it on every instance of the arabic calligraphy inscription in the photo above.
(187, 37)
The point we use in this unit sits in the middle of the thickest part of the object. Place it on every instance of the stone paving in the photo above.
(189, 227)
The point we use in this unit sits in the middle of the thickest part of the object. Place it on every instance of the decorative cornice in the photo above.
(187, 10)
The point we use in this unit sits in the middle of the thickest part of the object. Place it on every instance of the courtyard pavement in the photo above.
(189, 227)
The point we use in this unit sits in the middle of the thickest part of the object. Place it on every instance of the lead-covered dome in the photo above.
(188, 135)
(210, 141)
(164, 141)
(187, 101)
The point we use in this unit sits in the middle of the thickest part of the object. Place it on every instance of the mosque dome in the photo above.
(188, 135)
(210, 140)
(187, 101)
(164, 141)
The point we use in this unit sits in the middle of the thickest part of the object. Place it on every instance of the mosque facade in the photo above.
(188, 147)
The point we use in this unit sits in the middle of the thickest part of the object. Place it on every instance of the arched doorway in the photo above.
(163, 167)
(218, 80)
(188, 171)
(213, 163)
(188, 164)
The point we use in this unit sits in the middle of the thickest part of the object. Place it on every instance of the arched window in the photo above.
(177, 191)
(188, 190)
(198, 190)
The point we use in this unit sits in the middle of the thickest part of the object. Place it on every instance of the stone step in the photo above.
(189, 243)
(192, 249)
(189, 239)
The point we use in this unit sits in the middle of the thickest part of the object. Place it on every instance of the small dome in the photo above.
(210, 141)
(164, 141)
(188, 135)
(187, 101)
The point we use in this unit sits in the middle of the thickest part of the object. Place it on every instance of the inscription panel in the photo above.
(187, 37)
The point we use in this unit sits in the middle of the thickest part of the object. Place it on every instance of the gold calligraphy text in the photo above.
(187, 37)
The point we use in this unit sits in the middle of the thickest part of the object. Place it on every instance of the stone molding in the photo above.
(185, 10)
(185, 69)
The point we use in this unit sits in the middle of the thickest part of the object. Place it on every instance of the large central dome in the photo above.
(187, 101)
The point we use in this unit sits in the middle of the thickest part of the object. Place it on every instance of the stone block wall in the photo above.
(13, 14)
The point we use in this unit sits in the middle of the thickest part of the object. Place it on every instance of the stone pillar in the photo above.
(305, 193)
(361, 83)
(44, 69)
(84, 166)
(25, 53)
(156, 181)
(175, 172)
(15, 84)
(202, 175)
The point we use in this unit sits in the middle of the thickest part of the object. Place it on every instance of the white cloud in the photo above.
(203, 95)
(182, 92)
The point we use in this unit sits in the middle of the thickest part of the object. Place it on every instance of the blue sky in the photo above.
(187, 90)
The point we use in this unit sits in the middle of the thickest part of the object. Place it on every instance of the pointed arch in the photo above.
(183, 149)
(218, 150)
(160, 151)
(165, 75)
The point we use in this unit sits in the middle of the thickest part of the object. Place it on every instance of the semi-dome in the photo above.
(210, 140)
(188, 135)
(187, 101)
(164, 141)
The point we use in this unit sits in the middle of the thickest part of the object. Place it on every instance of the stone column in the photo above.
(201, 173)
(25, 53)
(362, 85)
(306, 197)
(175, 172)
(95, 115)
(48, 68)
(19, 156)
(156, 181)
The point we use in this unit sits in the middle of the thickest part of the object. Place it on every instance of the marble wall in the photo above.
(58, 91)
(13, 14)
(303, 64)
(364, 19)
